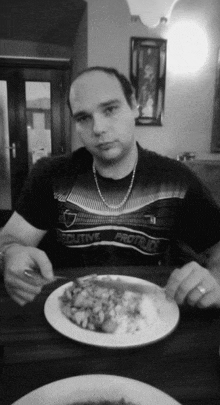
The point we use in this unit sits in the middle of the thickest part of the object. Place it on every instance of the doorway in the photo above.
(34, 120)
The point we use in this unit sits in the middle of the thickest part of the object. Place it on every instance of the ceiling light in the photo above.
(151, 12)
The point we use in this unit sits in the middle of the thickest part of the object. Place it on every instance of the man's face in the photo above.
(103, 119)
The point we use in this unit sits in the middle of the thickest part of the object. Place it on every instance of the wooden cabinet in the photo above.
(209, 172)
(34, 120)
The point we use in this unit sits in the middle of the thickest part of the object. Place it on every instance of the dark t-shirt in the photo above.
(167, 206)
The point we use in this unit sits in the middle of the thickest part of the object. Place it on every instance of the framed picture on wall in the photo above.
(215, 138)
(147, 75)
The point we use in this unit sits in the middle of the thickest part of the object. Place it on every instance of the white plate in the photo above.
(94, 388)
(165, 319)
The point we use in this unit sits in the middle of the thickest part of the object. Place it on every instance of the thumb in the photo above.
(43, 263)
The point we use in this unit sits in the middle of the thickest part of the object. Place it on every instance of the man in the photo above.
(112, 203)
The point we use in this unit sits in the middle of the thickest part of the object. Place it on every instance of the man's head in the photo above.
(126, 86)
(104, 109)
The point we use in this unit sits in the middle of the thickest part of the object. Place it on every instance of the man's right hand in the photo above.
(17, 259)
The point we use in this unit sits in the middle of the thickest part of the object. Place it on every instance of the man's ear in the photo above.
(134, 106)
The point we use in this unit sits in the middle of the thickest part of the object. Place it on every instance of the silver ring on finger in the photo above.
(201, 289)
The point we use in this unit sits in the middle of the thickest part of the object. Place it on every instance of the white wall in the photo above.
(189, 98)
(80, 46)
(79, 62)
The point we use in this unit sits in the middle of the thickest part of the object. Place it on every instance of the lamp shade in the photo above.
(151, 11)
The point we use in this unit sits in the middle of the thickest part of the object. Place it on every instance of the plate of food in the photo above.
(97, 389)
(111, 311)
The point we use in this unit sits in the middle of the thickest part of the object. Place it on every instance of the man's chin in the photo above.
(109, 154)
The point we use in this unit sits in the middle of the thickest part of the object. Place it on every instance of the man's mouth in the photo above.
(105, 145)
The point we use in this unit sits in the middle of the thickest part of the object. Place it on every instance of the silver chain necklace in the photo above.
(112, 206)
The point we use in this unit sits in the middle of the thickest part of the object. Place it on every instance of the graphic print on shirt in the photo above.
(144, 224)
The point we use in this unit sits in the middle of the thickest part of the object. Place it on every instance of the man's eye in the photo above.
(82, 119)
(111, 110)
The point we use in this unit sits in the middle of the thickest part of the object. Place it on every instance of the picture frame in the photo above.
(148, 75)
(215, 136)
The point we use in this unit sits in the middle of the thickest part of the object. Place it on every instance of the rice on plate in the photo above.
(107, 310)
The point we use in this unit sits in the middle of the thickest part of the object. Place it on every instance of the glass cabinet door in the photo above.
(34, 120)
(38, 117)
(5, 176)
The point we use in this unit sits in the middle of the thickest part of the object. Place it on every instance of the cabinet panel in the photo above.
(35, 120)
(209, 173)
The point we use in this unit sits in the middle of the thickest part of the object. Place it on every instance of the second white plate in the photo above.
(96, 388)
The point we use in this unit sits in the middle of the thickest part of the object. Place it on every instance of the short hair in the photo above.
(126, 86)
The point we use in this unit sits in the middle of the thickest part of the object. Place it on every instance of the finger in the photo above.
(25, 295)
(23, 299)
(211, 298)
(189, 284)
(34, 278)
(20, 284)
(205, 301)
(23, 290)
(174, 281)
(43, 263)
(19, 301)
(178, 277)
(20, 296)
(195, 297)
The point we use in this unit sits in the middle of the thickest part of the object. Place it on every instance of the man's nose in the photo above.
(99, 124)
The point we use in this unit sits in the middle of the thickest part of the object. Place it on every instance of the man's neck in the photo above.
(117, 169)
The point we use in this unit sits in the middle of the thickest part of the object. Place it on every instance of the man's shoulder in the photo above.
(164, 165)
(63, 164)
(151, 157)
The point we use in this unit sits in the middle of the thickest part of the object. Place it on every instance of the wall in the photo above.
(189, 98)
(79, 62)
(79, 51)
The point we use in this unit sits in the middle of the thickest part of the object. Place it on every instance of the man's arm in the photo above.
(18, 231)
(18, 244)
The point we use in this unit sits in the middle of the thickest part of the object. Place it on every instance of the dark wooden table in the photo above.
(185, 364)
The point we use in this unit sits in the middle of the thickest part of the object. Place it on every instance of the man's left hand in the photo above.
(195, 285)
